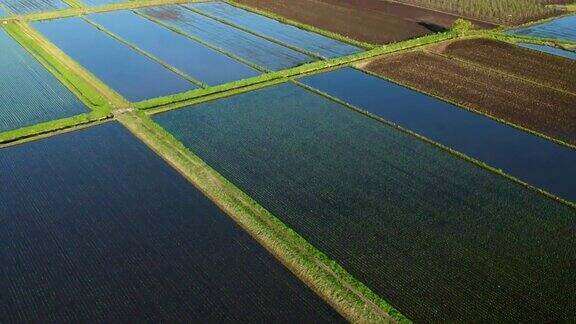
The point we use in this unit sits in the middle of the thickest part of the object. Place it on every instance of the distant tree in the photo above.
(461, 26)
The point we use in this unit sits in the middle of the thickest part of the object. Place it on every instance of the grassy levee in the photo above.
(81, 86)
(72, 12)
(300, 25)
(264, 79)
(335, 285)
(463, 156)
(73, 3)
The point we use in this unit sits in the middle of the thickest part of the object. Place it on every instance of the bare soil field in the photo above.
(370, 21)
(539, 67)
(506, 12)
(523, 103)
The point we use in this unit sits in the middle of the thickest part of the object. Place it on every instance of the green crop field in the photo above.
(391, 209)
(169, 160)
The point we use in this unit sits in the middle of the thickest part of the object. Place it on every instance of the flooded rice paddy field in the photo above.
(516, 152)
(23, 7)
(196, 60)
(311, 42)
(551, 50)
(96, 227)
(29, 94)
(563, 28)
(434, 235)
(249, 47)
(134, 76)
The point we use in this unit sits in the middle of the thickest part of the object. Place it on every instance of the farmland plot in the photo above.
(29, 94)
(518, 153)
(311, 42)
(551, 71)
(23, 7)
(371, 21)
(257, 50)
(133, 75)
(3, 11)
(551, 50)
(96, 227)
(101, 2)
(194, 59)
(437, 237)
(562, 28)
(488, 86)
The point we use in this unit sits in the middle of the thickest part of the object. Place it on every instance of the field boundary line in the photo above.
(446, 148)
(303, 26)
(144, 53)
(244, 29)
(466, 107)
(287, 246)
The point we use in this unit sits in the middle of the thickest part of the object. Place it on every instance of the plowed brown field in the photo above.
(518, 101)
(371, 21)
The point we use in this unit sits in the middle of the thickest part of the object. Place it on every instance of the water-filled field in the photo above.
(3, 12)
(194, 59)
(96, 227)
(561, 28)
(101, 2)
(29, 94)
(257, 50)
(133, 75)
(293, 36)
(22, 7)
(434, 235)
(528, 157)
(551, 50)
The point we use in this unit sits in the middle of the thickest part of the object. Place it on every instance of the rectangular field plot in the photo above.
(132, 74)
(251, 48)
(551, 50)
(101, 2)
(311, 42)
(97, 228)
(196, 60)
(29, 94)
(437, 237)
(530, 158)
(23, 7)
(562, 28)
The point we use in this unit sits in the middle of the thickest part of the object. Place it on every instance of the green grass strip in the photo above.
(347, 295)
(303, 26)
(299, 70)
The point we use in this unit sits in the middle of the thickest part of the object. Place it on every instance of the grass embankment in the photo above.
(279, 76)
(100, 107)
(346, 294)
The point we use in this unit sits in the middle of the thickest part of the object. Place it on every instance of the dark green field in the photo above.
(437, 237)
